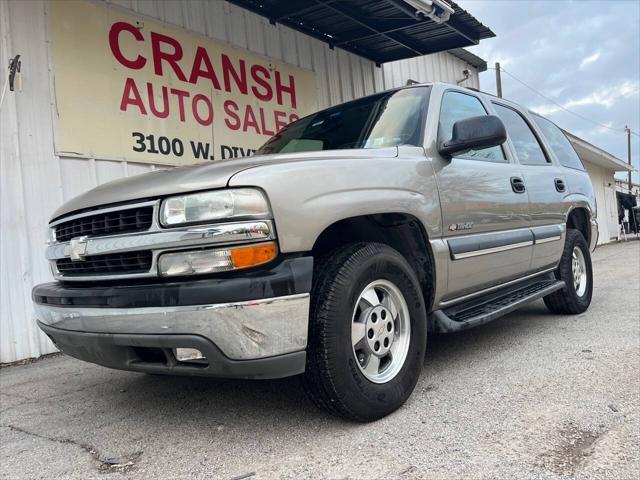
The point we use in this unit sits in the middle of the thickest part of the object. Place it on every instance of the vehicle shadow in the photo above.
(200, 400)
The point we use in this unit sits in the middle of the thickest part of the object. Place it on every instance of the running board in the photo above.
(483, 310)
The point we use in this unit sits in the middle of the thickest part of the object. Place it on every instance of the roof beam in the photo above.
(461, 30)
(297, 11)
(452, 23)
(371, 35)
(346, 12)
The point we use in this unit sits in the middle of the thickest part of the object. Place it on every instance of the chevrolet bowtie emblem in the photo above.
(77, 248)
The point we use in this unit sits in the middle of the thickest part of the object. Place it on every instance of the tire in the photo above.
(335, 379)
(572, 299)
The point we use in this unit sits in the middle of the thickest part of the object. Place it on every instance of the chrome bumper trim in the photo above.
(242, 331)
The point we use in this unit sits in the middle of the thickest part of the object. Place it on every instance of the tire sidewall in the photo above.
(575, 239)
(381, 263)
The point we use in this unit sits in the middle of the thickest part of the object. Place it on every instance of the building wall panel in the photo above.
(603, 180)
(34, 181)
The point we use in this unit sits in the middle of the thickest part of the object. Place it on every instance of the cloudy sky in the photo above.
(584, 55)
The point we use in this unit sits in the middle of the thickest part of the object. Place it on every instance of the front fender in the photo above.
(308, 196)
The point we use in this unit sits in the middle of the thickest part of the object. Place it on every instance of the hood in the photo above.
(175, 181)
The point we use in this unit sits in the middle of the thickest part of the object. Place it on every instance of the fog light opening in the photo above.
(189, 355)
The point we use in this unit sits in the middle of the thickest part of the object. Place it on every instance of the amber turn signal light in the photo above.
(245, 257)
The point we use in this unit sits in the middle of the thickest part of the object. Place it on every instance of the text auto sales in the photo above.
(247, 79)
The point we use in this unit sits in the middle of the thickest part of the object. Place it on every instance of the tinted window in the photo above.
(559, 143)
(458, 106)
(527, 147)
(384, 120)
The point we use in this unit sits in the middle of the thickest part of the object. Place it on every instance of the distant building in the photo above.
(602, 167)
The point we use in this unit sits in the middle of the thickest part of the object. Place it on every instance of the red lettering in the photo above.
(290, 89)
(230, 108)
(131, 96)
(208, 72)
(114, 44)
(293, 117)
(152, 103)
(280, 119)
(208, 120)
(181, 94)
(228, 71)
(250, 120)
(260, 75)
(157, 39)
(265, 130)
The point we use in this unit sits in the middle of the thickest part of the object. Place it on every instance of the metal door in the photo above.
(545, 183)
(484, 209)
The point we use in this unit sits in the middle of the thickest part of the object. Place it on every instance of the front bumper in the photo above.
(136, 327)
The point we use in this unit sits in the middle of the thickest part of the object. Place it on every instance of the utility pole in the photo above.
(498, 80)
(628, 132)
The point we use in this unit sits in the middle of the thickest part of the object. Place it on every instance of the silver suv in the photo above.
(331, 252)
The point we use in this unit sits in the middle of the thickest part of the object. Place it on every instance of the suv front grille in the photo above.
(121, 221)
(114, 263)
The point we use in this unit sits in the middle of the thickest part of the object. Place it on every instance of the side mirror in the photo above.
(474, 133)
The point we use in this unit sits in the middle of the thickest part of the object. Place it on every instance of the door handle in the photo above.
(517, 185)
(560, 186)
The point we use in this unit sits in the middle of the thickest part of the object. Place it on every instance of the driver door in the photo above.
(484, 208)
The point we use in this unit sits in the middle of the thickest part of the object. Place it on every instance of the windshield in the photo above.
(383, 120)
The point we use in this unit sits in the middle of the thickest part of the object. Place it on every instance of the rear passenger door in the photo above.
(545, 186)
(485, 218)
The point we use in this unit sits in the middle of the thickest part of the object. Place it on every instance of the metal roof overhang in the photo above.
(592, 154)
(379, 30)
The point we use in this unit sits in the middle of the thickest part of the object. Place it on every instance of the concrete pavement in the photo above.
(532, 395)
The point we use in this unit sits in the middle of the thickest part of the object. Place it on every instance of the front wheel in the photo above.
(575, 269)
(367, 333)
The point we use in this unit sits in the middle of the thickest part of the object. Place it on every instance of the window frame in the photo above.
(508, 158)
(427, 90)
(533, 130)
(559, 161)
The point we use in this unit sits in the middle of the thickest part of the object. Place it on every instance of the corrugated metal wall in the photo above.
(603, 181)
(34, 181)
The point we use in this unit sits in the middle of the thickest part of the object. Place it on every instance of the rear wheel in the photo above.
(575, 269)
(367, 335)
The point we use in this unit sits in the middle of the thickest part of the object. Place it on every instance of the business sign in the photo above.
(131, 88)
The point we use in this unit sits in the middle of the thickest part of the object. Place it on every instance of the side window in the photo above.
(527, 147)
(559, 143)
(458, 106)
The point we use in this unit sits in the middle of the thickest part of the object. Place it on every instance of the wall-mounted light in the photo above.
(466, 74)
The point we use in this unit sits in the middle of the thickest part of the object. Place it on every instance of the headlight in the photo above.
(212, 206)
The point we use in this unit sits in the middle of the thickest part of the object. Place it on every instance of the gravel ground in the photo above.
(532, 395)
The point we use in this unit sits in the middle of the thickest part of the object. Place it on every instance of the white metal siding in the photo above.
(34, 181)
(603, 182)
(439, 67)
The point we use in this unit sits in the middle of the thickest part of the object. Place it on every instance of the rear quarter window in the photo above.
(559, 143)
